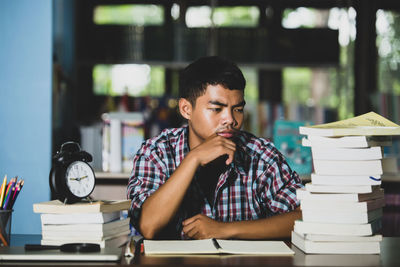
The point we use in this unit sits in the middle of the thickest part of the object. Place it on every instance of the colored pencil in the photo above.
(8, 192)
(3, 189)
(8, 197)
(17, 190)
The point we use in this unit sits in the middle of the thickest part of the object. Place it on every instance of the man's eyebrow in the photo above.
(241, 104)
(214, 102)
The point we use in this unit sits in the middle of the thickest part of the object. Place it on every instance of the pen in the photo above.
(128, 249)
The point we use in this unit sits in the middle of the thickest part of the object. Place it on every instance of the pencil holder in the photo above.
(5, 227)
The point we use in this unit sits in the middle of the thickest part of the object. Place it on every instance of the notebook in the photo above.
(215, 246)
(20, 254)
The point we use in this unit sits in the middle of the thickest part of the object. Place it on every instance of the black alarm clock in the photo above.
(71, 177)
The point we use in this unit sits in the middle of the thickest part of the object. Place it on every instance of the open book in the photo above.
(367, 124)
(215, 246)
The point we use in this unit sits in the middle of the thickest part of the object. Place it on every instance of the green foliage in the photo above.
(103, 83)
(139, 15)
(240, 16)
(296, 83)
(251, 91)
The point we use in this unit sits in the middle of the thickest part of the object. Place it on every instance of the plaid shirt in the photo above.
(257, 184)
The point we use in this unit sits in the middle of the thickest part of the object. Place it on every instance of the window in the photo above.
(388, 43)
(206, 16)
(323, 88)
(133, 79)
(139, 15)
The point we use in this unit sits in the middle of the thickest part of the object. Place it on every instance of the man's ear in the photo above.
(185, 108)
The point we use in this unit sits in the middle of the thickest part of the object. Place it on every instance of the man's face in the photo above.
(219, 110)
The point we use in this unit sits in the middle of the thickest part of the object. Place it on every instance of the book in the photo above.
(338, 197)
(337, 247)
(215, 246)
(116, 241)
(355, 167)
(367, 124)
(57, 207)
(89, 235)
(342, 206)
(340, 188)
(342, 238)
(88, 227)
(361, 141)
(123, 133)
(356, 154)
(365, 229)
(80, 218)
(303, 259)
(288, 141)
(318, 179)
(341, 217)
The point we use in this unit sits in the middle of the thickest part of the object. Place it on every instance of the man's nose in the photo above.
(229, 119)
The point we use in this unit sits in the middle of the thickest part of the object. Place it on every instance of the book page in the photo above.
(205, 246)
(370, 119)
(254, 247)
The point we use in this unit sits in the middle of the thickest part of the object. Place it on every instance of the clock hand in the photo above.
(78, 178)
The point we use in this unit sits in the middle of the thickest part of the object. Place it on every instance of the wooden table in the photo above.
(390, 256)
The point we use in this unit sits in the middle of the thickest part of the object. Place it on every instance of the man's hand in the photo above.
(214, 147)
(202, 227)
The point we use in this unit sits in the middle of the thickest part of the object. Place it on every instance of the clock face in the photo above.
(80, 179)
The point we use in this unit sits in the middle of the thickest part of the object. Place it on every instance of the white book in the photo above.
(318, 179)
(347, 141)
(73, 236)
(58, 207)
(369, 153)
(83, 228)
(79, 218)
(355, 167)
(114, 242)
(215, 246)
(365, 229)
(341, 206)
(341, 217)
(318, 247)
(360, 189)
(342, 238)
(304, 259)
(339, 197)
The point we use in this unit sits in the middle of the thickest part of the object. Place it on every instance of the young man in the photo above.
(209, 179)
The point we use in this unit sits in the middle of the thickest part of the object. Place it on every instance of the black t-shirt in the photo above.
(207, 177)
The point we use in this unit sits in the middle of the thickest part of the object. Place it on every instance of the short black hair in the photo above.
(205, 71)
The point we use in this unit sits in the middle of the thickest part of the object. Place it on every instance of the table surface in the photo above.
(390, 256)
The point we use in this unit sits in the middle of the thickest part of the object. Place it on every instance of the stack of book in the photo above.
(98, 222)
(342, 206)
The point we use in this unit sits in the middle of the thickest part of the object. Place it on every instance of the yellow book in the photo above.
(368, 124)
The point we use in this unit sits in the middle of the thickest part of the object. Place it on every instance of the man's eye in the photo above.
(240, 110)
(215, 109)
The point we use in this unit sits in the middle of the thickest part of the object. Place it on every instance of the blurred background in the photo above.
(305, 62)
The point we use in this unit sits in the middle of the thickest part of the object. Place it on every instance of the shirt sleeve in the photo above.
(148, 174)
(279, 183)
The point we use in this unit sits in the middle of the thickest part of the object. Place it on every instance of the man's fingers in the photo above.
(192, 232)
(190, 220)
(186, 229)
(229, 160)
